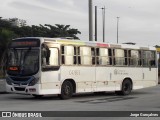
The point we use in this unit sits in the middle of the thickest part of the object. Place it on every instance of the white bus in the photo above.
(45, 66)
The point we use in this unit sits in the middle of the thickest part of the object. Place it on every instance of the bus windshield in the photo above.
(23, 62)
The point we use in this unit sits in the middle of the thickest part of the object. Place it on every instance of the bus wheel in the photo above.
(66, 90)
(37, 96)
(126, 88)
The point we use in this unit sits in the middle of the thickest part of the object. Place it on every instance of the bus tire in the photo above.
(66, 90)
(126, 88)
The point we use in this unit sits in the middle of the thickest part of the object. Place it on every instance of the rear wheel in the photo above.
(126, 88)
(66, 90)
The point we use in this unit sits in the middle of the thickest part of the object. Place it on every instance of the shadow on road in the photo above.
(84, 96)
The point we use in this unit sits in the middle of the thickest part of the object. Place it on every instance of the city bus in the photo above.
(57, 66)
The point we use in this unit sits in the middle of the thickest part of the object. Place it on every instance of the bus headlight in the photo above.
(33, 82)
(8, 81)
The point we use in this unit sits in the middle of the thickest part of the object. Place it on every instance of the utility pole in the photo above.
(90, 20)
(95, 23)
(117, 28)
(103, 21)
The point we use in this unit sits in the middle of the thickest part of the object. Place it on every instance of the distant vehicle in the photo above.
(43, 66)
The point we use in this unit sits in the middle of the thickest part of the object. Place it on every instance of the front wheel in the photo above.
(66, 90)
(126, 88)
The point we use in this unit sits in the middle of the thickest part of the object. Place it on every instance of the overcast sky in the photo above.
(139, 19)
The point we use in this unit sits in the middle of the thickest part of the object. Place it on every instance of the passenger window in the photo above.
(153, 59)
(68, 55)
(53, 59)
(134, 57)
(85, 56)
(149, 58)
(119, 57)
(103, 56)
(146, 56)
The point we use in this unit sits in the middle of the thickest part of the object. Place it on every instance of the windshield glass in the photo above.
(23, 61)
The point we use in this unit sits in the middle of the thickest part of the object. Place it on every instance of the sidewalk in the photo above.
(2, 86)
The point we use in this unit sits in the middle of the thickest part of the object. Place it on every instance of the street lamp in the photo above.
(117, 28)
(103, 21)
(95, 23)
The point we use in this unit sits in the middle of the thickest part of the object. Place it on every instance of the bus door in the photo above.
(149, 65)
(50, 67)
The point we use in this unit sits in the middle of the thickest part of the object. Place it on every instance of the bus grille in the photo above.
(19, 89)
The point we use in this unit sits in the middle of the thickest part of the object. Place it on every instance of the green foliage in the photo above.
(5, 38)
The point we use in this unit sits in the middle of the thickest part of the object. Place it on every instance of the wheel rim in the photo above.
(127, 87)
(67, 90)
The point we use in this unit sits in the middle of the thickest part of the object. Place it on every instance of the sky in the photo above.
(139, 20)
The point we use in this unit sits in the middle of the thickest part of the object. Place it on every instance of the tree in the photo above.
(5, 38)
(66, 31)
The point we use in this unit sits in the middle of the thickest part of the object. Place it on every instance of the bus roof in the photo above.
(90, 43)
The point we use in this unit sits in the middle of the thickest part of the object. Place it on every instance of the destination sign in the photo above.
(25, 43)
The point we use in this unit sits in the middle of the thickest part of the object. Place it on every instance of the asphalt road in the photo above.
(140, 100)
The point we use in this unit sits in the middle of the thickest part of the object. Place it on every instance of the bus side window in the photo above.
(149, 59)
(113, 57)
(140, 58)
(153, 59)
(79, 57)
(97, 56)
(85, 55)
(62, 55)
(126, 57)
(134, 58)
(129, 57)
(53, 58)
(119, 57)
(103, 57)
(93, 56)
(110, 56)
(75, 56)
(68, 55)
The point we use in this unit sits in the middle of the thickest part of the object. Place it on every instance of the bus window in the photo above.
(149, 58)
(110, 56)
(134, 57)
(103, 56)
(85, 56)
(93, 56)
(146, 57)
(153, 59)
(126, 56)
(119, 57)
(68, 55)
(53, 59)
